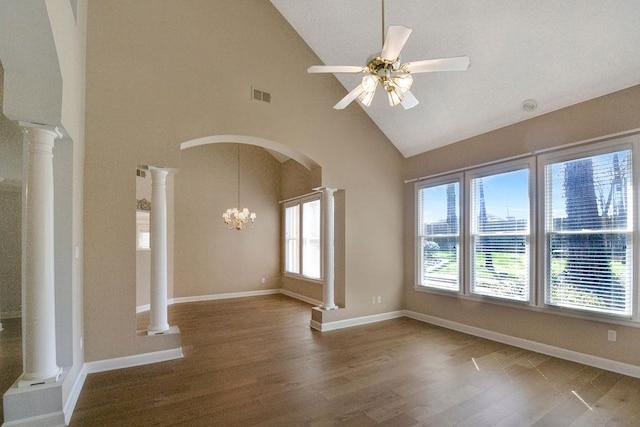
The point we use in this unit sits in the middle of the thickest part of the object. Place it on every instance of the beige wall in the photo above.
(211, 259)
(10, 250)
(10, 214)
(159, 74)
(610, 114)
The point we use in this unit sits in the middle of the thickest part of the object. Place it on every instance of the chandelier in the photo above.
(235, 217)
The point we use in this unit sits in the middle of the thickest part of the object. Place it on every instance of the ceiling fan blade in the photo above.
(458, 63)
(409, 100)
(335, 69)
(349, 98)
(397, 36)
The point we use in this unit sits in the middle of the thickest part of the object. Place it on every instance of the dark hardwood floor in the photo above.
(10, 355)
(255, 361)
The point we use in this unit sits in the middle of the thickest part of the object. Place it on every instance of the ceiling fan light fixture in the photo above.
(395, 97)
(369, 83)
(366, 98)
(402, 82)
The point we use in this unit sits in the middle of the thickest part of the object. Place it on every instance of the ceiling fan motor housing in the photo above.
(382, 67)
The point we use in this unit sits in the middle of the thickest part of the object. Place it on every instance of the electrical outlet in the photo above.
(373, 300)
(379, 299)
(611, 335)
(263, 280)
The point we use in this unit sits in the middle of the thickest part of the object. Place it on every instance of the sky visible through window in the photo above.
(504, 195)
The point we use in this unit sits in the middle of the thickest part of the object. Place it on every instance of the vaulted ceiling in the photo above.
(557, 53)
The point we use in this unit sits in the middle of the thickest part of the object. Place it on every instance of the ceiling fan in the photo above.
(385, 69)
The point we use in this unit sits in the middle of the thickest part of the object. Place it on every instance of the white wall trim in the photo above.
(561, 353)
(301, 297)
(253, 140)
(356, 321)
(147, 307)
(53, 419)
(211, 297)
(134, 360)
(72, 399)
(11, 314)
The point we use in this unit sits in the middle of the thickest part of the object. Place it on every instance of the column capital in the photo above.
(171, 171)
(329, 190)
(30, 128)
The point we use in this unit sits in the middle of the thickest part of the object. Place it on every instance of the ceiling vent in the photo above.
(260, 95)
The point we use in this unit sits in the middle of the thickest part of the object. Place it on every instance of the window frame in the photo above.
(631, 143)
(487, 171)
(537, 238)
(300, 201)
(454, 178)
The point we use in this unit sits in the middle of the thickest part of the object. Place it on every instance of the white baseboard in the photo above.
(549, 350)
(70, 404)
(53, 419)
(147, 307)
(11, 314)
(356, 321)
(211, 297)
(135, 360)
(301, 297)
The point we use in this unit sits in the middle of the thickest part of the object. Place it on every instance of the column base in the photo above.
(330, 307)
(48, 378)
(169, 330)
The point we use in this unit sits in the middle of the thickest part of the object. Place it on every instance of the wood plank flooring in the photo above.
(255, 361)
(10, 356)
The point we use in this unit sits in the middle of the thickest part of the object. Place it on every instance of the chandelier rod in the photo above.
(382, 24)
(238, 152)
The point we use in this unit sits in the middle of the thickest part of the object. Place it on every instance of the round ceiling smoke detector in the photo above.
(529, 105)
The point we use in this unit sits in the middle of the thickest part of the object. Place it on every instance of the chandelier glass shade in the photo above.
(235, 217)
(395, 84)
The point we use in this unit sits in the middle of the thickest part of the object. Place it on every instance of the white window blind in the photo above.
(589, 233)
(292, 239)
(311, 239)
(500, 236)
(438, 236)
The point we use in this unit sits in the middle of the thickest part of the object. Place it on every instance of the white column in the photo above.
(328, 252)
(158, 305)
(39, 319)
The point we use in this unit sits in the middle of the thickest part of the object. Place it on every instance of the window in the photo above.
(311, 239)
(475, 229)
(439, 234)
(143, 235)
(589, 232)
(302, 237)
(292, 239)
(499, 234)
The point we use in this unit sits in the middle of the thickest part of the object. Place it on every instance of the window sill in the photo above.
(557, 311)
(303, 278)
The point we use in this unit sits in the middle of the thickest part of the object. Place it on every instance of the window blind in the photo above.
(500, 235)
(589, 233)
(439, 236)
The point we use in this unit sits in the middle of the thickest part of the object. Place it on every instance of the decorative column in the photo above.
(328, 251)
(39, 344)
(158, 323)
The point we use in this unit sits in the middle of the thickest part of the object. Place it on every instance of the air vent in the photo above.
(260, 95)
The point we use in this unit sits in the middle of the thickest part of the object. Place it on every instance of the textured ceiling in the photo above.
(557, 53)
